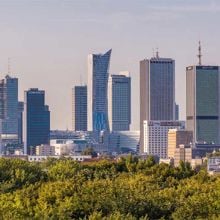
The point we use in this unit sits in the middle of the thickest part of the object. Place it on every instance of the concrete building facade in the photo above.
(45, 150)
(156, 136)
(182, 153)
(178, 137)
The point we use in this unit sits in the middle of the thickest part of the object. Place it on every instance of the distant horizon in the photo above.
(48, 43)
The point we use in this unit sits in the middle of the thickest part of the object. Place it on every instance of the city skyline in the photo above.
(49, 51)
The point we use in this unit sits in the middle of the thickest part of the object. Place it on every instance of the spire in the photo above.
(153, 52)
(157, 53)
(200, 54)
(9, 65)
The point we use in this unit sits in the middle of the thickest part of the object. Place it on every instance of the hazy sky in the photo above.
(48, 42)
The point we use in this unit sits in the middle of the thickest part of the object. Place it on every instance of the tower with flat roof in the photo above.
(36, 120)
(203, 102)
(79, 107)
(157, 91)
(119, 101)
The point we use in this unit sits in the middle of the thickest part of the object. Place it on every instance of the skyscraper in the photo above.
(176, 112)
(79, 107)
(20, 122)
(203, 103)
(9, 105)
(157, 91)
(98, 67)
(119, 102)
(36, 120)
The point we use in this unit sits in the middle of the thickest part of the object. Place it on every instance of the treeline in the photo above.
(127, 189)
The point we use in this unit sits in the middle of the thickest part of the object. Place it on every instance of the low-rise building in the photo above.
(182, 153)
(156, 136)
(213, 165)
(177, 137)
(45, 150)
(123, 140)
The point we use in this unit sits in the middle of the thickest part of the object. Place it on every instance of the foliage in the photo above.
(129, 188)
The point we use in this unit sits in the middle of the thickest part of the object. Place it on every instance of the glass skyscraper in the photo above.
(157, 91)
(119, 102)
(20, 122)
(9, 105)
(36, 120)
(79, 107)
(98, 73)
(202, 103)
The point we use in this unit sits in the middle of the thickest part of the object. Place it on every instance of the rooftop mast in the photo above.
(200, 54)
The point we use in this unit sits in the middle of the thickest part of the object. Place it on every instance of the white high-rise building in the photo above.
(98, 73)
(156, 136)
(119, 101)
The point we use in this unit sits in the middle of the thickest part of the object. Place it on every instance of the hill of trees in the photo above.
(127, 189)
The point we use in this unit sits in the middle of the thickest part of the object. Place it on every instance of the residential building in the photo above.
(119, 102)
(79, 108)
(36, 126)
(156, 136)
(68, 146)
(213, 166)
(37, 158)
(182, 153)
(98, 74)
(45, 150)
(203, 103)
(157, 91)
(177, 137)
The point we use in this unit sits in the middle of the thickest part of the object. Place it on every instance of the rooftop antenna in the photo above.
(153, 52)
(157, 53)
(9, 65)
(80, 80)
(200, 54)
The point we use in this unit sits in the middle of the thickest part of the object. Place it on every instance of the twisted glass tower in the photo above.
(98, 66)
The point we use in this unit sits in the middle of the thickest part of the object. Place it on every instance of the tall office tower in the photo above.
(176, 112)
(36, 126)
(203, 103)
(20, 121)
(98, 73)
(157, 91)
(79, 107)
(9, 105)
(119, 102)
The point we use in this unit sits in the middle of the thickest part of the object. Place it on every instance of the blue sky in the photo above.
(48, 42)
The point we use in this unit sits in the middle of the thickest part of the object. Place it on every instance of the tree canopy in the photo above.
(129, 188)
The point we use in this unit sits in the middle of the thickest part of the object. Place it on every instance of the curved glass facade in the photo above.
(97, 91)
